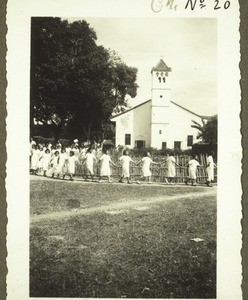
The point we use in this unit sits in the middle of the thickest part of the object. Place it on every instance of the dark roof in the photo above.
(208, 117)
(130, 109)
(203, 117)
(161, 66)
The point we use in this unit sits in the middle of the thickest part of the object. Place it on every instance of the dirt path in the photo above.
(80, 180)
(121, 206)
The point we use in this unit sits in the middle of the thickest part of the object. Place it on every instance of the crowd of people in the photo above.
(61, 162)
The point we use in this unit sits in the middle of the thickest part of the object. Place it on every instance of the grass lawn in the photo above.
(122, 241)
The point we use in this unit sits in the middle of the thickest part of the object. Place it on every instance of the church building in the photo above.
(159, 122)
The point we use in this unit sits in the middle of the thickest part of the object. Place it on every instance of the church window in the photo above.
(164, 145)
(159, 79)
(127, 139)
(160, 131)
(163, 79)
(161, 73)
(190, 140)
(177, 145)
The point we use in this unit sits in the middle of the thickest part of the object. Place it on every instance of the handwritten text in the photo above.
(157, 5)
(217, 4)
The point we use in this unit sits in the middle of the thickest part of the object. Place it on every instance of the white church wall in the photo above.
(142, 124)
(180, 127)
(173, 125)
(136, 123)
(124, 126)
(159, 135)
(160, 115)
(161, 97)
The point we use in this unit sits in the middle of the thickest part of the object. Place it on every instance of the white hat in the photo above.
(75, 141)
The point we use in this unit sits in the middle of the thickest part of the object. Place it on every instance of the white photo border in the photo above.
(229, 232)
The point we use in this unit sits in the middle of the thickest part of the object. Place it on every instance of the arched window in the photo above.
(163, 79)
(159, 79)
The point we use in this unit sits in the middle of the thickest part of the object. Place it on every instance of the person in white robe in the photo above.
(146, 167)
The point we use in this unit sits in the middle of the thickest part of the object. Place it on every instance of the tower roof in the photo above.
(161, 66)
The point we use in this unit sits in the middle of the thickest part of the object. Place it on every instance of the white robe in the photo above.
(35, 159)
(125, 161)
(193, 164)
(55, 163)
(45, 161)
(146, 166)
(72, 164)
(210, 168)
(171, 161)
(62, 162)
(90, 162)
(105, 168)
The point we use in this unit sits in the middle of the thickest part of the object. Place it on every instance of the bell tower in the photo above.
(160, 104)
(160, 84)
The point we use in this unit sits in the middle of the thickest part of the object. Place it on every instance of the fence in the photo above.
(159, 172)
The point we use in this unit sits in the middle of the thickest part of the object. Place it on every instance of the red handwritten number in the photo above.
(227, 4)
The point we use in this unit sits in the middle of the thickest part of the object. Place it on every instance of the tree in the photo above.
(55, 49)
(207, 130)
(75, 84)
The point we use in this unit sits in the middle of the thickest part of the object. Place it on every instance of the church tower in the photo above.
(160, 105)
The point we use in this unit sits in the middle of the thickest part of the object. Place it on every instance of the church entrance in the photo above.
(140, 144)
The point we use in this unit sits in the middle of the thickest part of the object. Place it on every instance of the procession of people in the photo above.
(62, 163)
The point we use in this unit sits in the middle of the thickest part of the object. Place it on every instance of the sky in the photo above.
(187, 45)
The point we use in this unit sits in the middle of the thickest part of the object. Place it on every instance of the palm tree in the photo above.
(199, 127)
(207, 130)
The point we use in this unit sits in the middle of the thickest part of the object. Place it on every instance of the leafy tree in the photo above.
(207, 130)
(75, 84)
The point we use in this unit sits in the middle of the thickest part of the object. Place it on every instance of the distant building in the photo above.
(159, 122)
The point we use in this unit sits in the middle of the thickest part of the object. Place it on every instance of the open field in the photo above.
(118, 240)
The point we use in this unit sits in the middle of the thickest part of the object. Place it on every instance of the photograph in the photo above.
(123, 157)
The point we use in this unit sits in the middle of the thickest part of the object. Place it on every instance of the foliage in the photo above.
(75, 84)
(207, 130)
